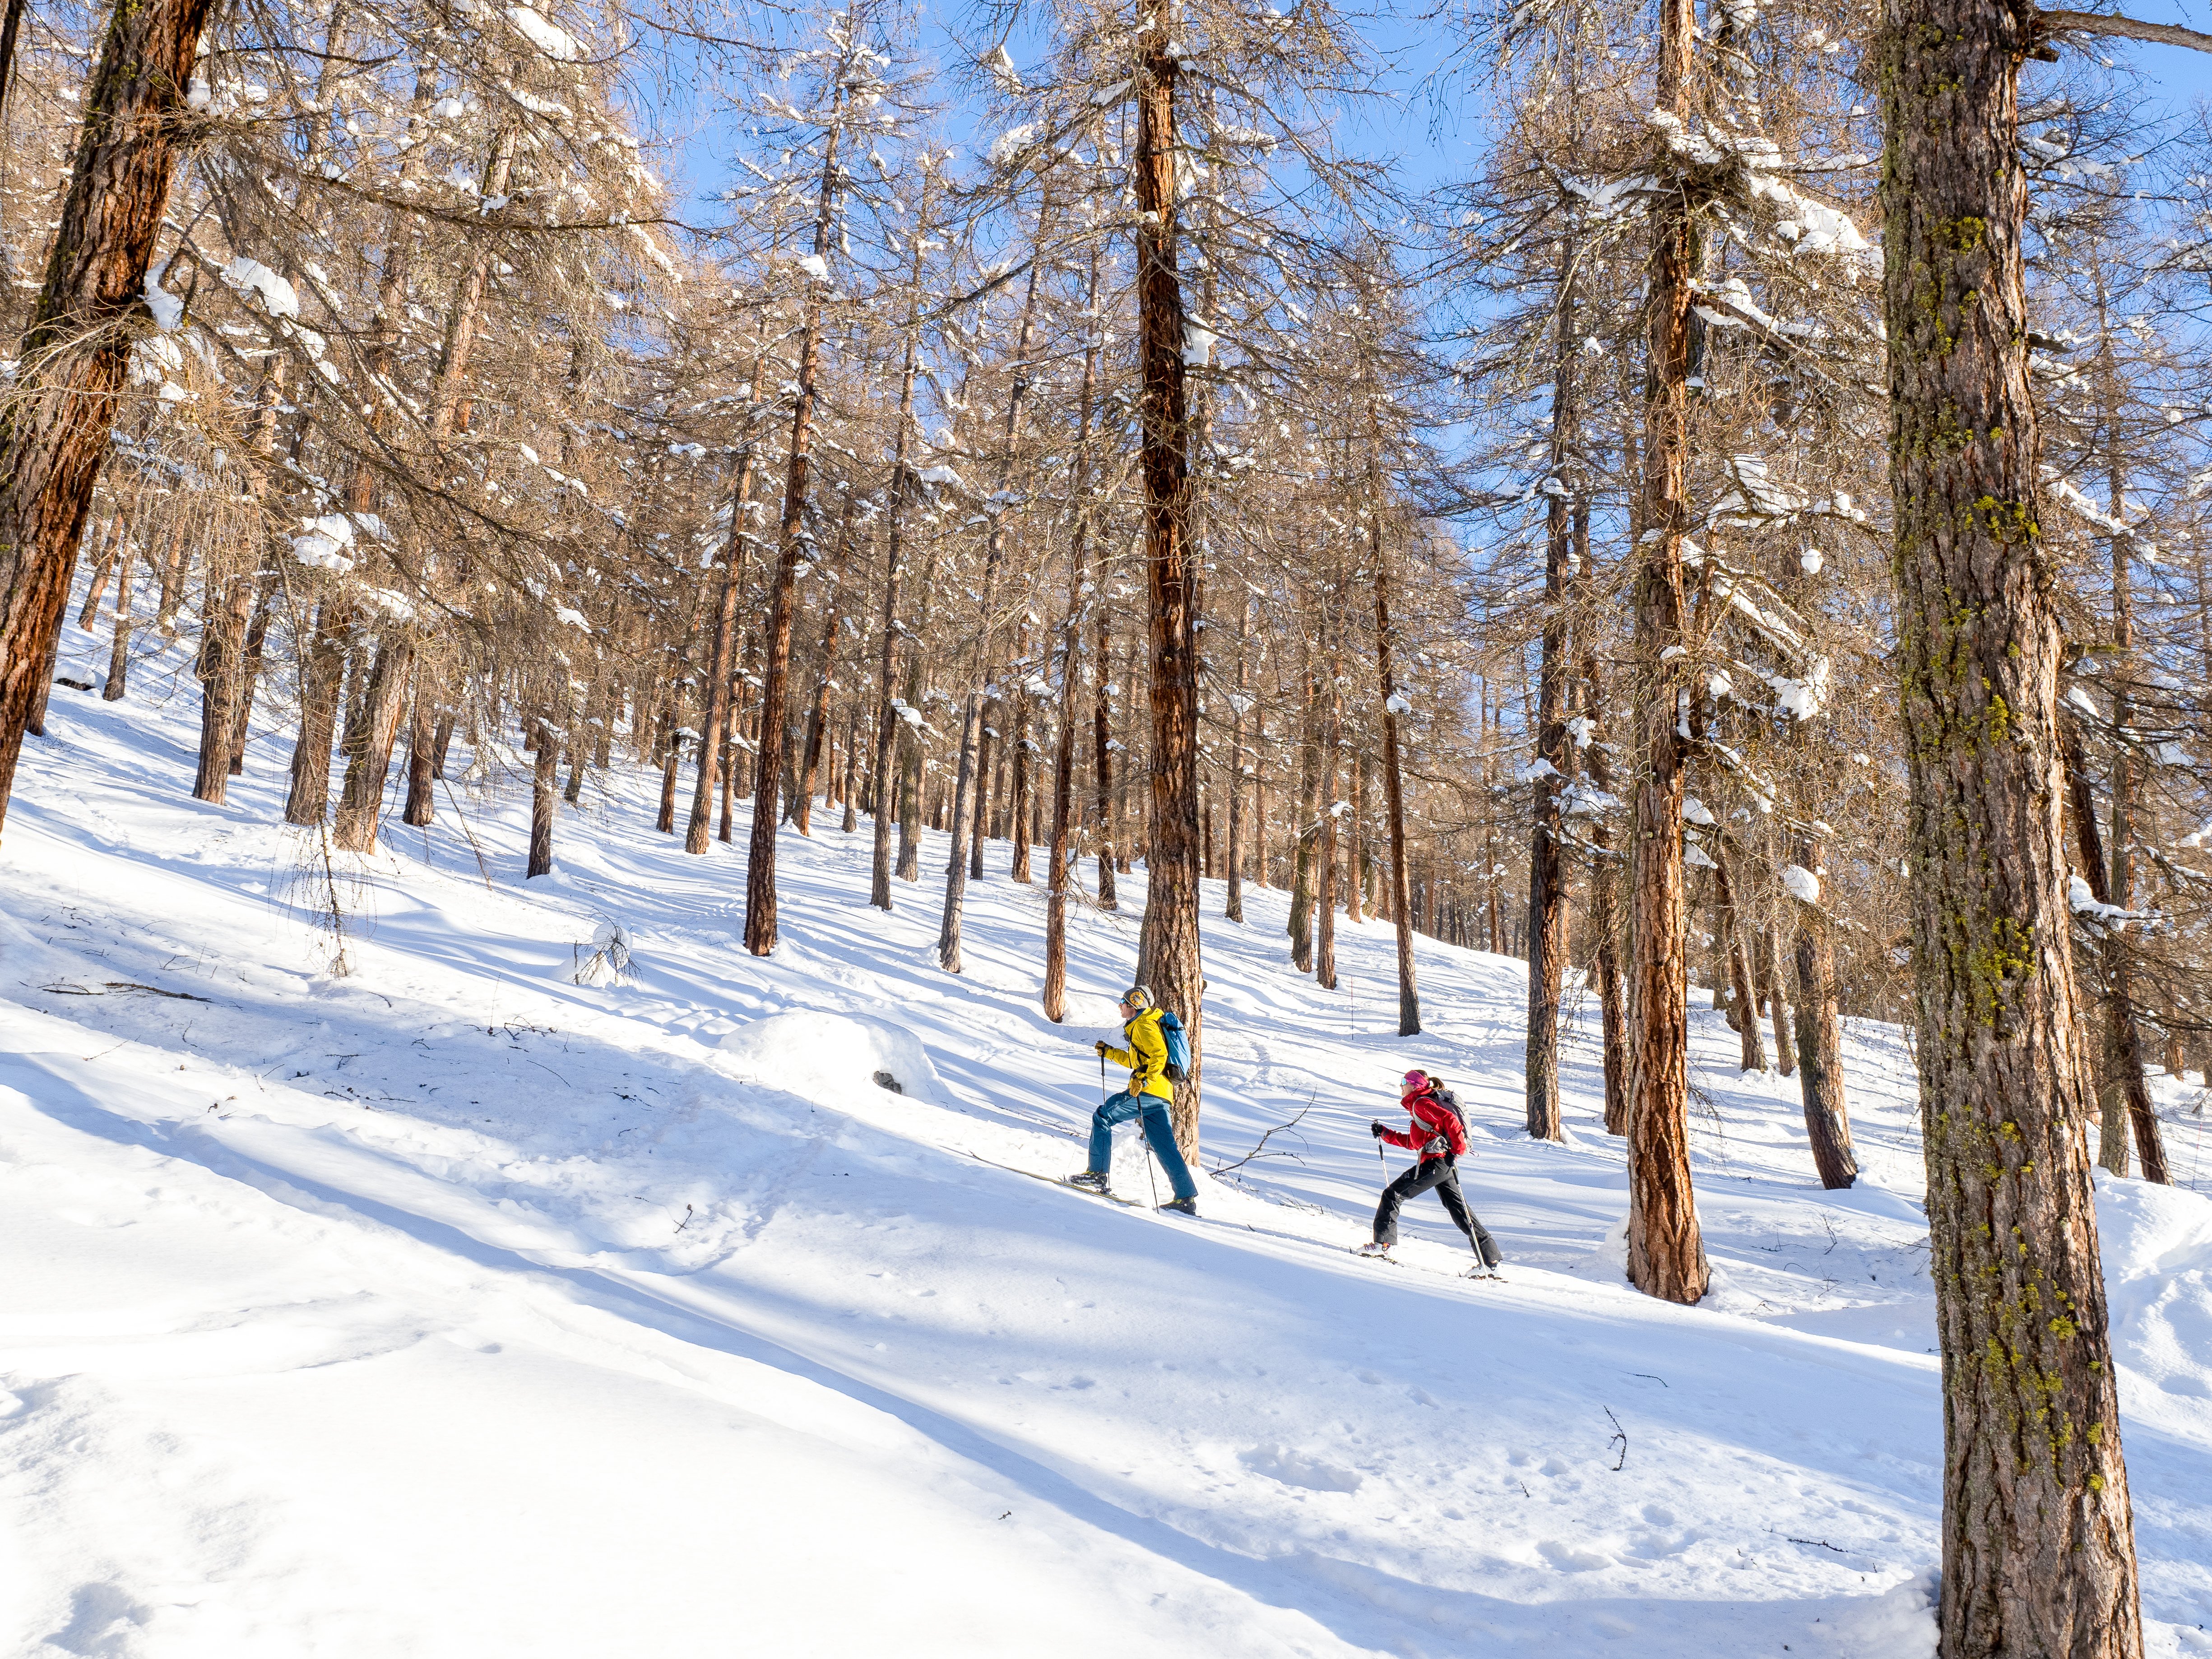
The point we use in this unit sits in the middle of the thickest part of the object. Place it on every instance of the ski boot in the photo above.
(1090, 1181)
(1182, 1206)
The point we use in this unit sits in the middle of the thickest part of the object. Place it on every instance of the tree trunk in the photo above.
(115, 543)
(361, 805)
(542, 779)
(985, 761)
(1785, 1039)
(1393, 789)
(825, 668)
(963, 812)
(422, 746)
(1547, 877)
(1666, 1250)
(1019, 869)
(1061, 875)
(968, 811)
(719, 670)
(249, 679)
(55, 423)
(671, 765)
(1605, 880)
(767, 776)
(2122, 1086)
(1752, 1047)
(1819, 1039)
(1232, 850)
(222, 666)
(1332, 743)
(888, 721)
(322, 679)
(2038, 1553)
(1304, 830)
(848, 783)
(1102, 766)
(1168, 948)
(118, 654)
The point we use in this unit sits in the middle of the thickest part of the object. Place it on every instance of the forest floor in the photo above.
(453, 1308)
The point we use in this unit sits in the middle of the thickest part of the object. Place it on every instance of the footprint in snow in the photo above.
(1294, 1469)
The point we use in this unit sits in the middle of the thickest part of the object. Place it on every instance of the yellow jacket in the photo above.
(1146, 1056)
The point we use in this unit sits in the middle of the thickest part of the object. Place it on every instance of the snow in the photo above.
(1000, 64)
(817, 1056)
(547, 36)
(814, 265)
(484, 1301)
(168, 308)
(246, 275)
(325, 542)
(1010, 143)
(1802, 884)
(2083, 901)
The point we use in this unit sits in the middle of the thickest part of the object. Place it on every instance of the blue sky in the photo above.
(1432, 138)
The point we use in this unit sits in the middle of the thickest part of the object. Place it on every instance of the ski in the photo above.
(1062, 1181)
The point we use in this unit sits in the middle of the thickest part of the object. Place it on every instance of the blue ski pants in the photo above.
(1153, 1112)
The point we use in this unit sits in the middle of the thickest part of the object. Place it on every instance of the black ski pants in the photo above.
(1442, 1174)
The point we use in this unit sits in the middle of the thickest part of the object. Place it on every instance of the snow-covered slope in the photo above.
(453, 1308)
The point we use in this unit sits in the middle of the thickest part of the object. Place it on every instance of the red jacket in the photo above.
(1437, 1128)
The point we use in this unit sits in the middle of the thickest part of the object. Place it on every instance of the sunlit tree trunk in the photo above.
(71, 359)
(761, 917)
(1168, 946)
(2038, 1548)
(1394, 788)
(1666, 1250)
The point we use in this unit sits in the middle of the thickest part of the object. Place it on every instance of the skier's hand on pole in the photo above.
(1376, 1130)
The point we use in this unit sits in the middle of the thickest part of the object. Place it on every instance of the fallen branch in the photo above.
(1260, 1151)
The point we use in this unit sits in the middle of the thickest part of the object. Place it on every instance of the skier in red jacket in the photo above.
(1438, 1136)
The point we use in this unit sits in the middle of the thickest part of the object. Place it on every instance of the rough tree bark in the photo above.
(1785, 1039)
(719, 670)
(2038, 1549)
(768, 773)
(72, 358)
(1168, 946)
(1101, 760)
(1666, 1250)
(825, 668)
(1061, 875)
(369, 741)
(2123, 1087)
(1605, 878)
(1332, 745)
(1394, 788)
(1232, 908)
(888, 721)
(1751, 1045)
(968, 818)
(544, 778)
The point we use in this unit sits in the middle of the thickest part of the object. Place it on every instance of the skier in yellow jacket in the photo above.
(1146, 1099)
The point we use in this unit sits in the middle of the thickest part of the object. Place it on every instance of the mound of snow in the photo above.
(825, 1057)
(2156, 1243)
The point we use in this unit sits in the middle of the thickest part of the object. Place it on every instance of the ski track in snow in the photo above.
(450, 1308)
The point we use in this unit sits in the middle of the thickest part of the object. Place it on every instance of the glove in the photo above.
(1100, 1046)
(1376, 1130)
